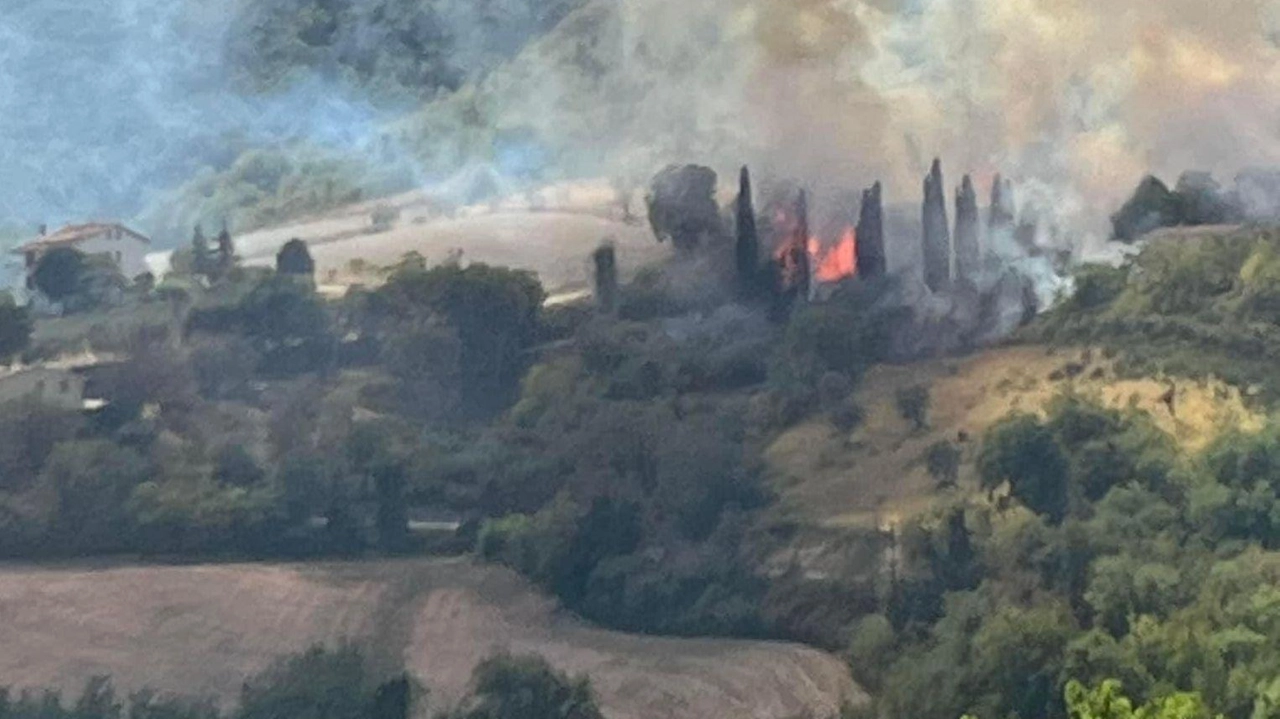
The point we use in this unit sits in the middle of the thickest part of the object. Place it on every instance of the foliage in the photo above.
(99, 700)
(288, 328)
(847, 334)
(1107, 702)
(320, 683)
(58, 272)
(1022, 451)
(15, 328)
(394, 50)
(525, 687)
(494, 313)
(1151, 206)
(913, 405)
(1201, 306)
(682, 207)
(1196, 200)
(93, 481)
(295, 259)
(942, 460)
(265, 186)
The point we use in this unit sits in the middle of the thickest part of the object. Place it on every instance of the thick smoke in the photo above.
(1074, 98)
(103, 104)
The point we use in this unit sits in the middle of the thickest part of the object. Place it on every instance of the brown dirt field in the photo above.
(201, 630)
(876, 476)
(554, 237)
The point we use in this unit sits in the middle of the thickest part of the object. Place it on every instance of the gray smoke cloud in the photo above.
(1074, 99)
(102, 104)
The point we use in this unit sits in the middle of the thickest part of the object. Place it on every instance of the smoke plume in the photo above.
(102, 104)
(1074, 99)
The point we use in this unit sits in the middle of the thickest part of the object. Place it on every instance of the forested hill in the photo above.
(105, 106)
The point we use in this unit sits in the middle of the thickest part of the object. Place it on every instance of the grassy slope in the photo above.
(876, 475)
(555, 239)
(201, 630)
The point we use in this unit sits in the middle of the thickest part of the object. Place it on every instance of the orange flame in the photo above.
(837, 263)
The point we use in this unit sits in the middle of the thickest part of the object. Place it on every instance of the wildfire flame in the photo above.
(839, 261)
(831, 264)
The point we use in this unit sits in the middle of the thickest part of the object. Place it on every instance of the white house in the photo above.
(123, 246)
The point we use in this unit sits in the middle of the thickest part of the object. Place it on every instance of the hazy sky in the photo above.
(102, 101)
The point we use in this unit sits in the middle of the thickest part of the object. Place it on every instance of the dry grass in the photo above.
(876, 476)
(202, 630)
(552, 234)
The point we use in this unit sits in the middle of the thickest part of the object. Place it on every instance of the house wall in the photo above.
(128, 252)
(53, 387)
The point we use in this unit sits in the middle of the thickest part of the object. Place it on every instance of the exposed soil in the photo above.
(200, 630)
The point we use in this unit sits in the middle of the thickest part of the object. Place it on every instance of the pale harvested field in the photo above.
(553, 235)
(201, 630)
(876, 475)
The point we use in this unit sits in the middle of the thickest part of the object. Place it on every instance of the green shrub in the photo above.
(913, 405)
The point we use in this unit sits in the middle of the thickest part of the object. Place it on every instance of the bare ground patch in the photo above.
(553, 236)
(201, 630)
(875, 476)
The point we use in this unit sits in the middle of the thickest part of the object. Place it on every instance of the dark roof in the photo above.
(72, 235)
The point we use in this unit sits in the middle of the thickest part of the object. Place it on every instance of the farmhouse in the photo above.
(123, 246)
(66, 383)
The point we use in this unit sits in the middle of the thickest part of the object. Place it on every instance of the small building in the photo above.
(59, 388)
(126, 248)
(62, 383)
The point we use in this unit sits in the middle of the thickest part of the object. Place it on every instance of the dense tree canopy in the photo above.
(295, 259)
(58, 273)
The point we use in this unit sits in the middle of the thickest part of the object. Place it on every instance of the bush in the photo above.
(495, 313)
(682, 207)
(1152, 206)
(15, 328)
(510, 687)
(295, 259)
(93, 481)
(317, 684)
(913, 405)
(872, 645)
(58, 273)
(1024, 452)
(942, 459)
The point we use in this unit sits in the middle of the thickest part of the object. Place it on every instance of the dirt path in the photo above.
(202, 630)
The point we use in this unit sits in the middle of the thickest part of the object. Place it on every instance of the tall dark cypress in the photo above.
(202, 261)
(1000, 219)
(799, 248)
(937, 235)
(967, 239)
(872, 261)
(606, 261)
(226, 250)
(748, 246)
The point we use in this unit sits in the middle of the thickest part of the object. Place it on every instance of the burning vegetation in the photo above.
(973, 282)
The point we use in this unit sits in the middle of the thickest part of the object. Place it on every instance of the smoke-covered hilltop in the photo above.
(102, 105)
(1074, 100)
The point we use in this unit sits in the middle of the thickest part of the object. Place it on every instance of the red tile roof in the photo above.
(72, 235)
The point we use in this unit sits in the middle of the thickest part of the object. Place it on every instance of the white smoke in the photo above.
(102, 103)
(1082, 97)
